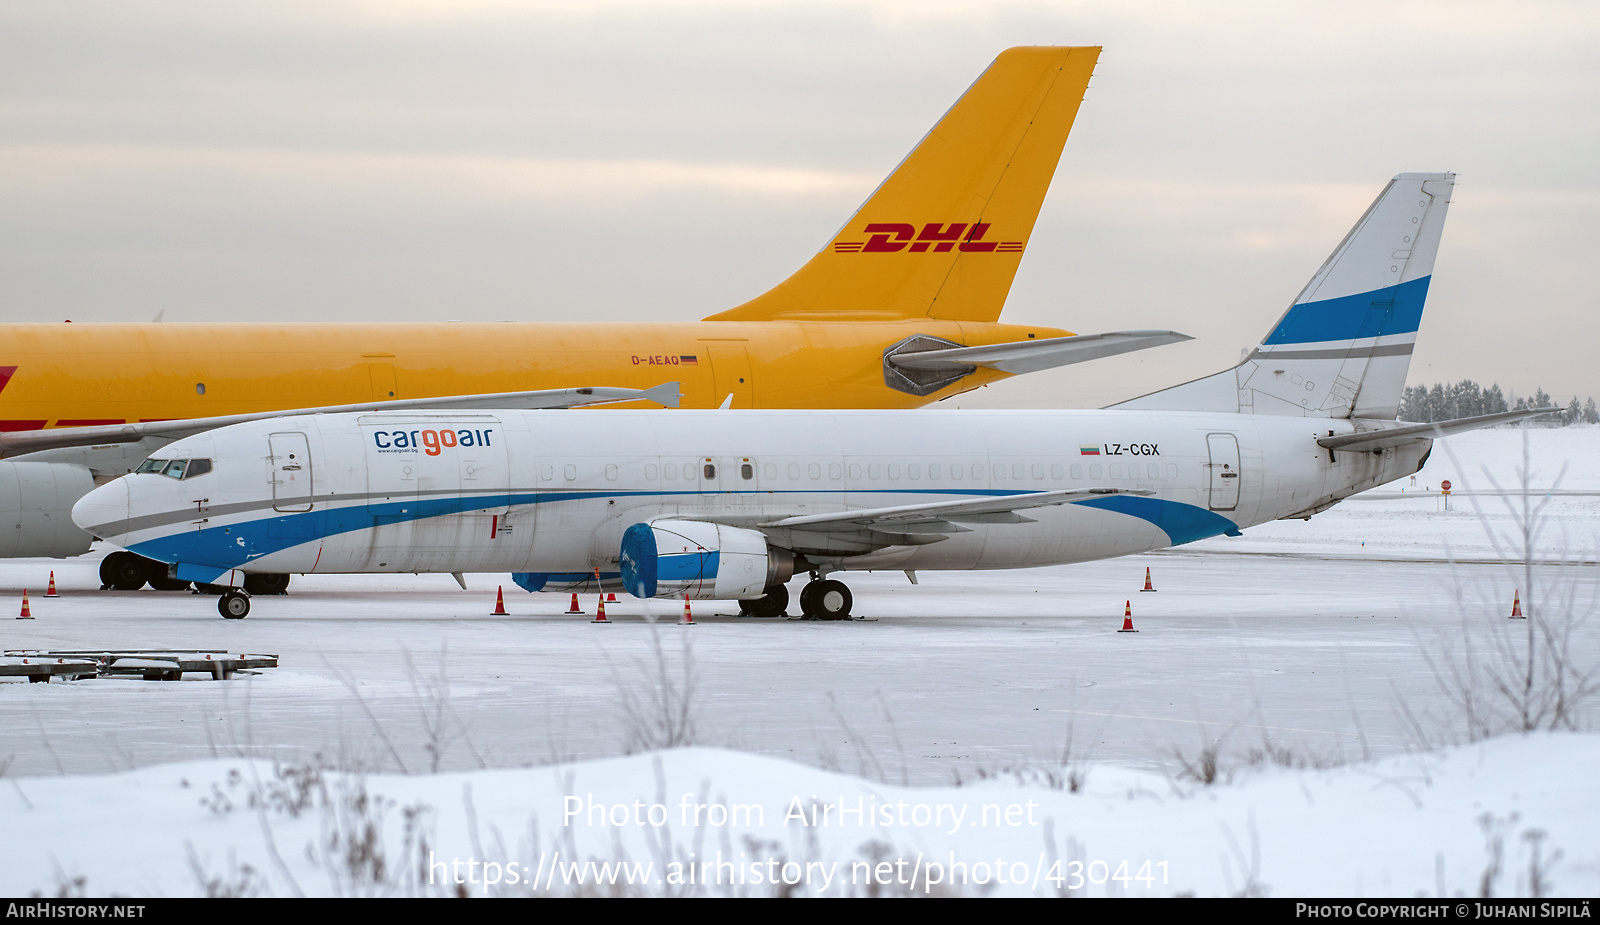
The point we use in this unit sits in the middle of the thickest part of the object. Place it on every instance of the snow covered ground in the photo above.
(1316, 643)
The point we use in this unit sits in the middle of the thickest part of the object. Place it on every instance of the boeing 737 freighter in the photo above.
(731, 504)
(899, 309)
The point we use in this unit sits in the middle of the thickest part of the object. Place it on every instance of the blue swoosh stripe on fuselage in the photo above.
(1183, 523)
(1378, 313)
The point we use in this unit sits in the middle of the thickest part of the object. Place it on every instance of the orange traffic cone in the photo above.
(26, 613)
(688, 618)
(500, 602)
(574, 607)
(1147, 585)
(1516, 605)
(1127, 619)
(600, 615)
(51, 591)
(611, 597)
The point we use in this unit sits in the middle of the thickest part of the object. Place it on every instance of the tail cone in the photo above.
(688, 618)
(574, 607)
(51, 591)
(1127, 618)
(500, 602)
(1147, 585)
(1516, 605)
(26, 613)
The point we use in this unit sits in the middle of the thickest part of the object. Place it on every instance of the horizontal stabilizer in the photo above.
(972, 510)
(1396, 434)
(1030, 356)
(18, 442)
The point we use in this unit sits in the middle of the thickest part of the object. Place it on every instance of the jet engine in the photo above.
(36, 500)
(705, 561)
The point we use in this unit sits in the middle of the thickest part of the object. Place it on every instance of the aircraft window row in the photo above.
(956, 471)
(176, 468)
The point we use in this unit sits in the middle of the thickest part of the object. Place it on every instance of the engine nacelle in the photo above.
(674, 558)
(36, 500)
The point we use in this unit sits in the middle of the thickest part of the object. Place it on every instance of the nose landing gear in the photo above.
(826, 599)
(234, 605)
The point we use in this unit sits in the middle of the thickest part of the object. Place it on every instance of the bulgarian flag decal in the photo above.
(1088, 450)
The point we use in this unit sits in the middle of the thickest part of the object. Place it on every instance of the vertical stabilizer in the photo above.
(943, 235)
(1343, 348)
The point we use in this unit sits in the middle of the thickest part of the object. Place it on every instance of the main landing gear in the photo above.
(772, 604)
(826, 599)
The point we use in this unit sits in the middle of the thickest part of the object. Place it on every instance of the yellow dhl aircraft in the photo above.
(898, 310)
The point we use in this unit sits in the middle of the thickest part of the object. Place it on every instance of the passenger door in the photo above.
(290, 471)
(1224, 466)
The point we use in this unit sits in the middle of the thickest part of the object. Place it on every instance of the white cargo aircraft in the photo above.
(730, 504)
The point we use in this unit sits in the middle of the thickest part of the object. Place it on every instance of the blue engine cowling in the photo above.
(704, 561)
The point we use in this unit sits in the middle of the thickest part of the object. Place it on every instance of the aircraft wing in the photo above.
(15, 443)
(1030, 356)
(1397, 433)
(944, 516)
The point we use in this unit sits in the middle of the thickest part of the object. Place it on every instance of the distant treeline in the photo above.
(1465, 399)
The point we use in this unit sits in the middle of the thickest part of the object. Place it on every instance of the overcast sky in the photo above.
(395, 160)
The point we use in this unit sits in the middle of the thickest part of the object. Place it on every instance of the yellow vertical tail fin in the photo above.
(942, 236)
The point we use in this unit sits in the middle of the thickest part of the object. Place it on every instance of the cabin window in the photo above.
(933, 470)
(571, 472)
(874, 472)
(688, 472)
(199, 388)
(835, 471)
(1154, 470)
(1038, 470)
(855, 472)
(957, 471)
(894, 470)
(1114, 470)
(977, 472)
(999, 472)
(547, 472)
(1172, 470)
(1077, 471)
(747, 471)
(794, 472)
(1019, 471)
(769, 472)
(611, 472)
(1057, 471)
(913, 471)
(710, 472)
(650, 472)
(814, 470)
(1094, 471)
(670, 471)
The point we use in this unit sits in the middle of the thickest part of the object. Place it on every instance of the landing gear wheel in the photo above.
(266, 583)
(234, 605)
(124, 571)
(826, 600)
(771, 604)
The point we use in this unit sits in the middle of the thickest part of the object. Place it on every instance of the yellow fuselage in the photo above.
(73, 374)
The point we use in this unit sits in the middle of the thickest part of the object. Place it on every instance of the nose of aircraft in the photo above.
(104, 511)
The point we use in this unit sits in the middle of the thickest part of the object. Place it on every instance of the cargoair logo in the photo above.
(890, 237)
(431, 442)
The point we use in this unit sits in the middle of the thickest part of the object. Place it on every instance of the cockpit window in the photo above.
(176, 468)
